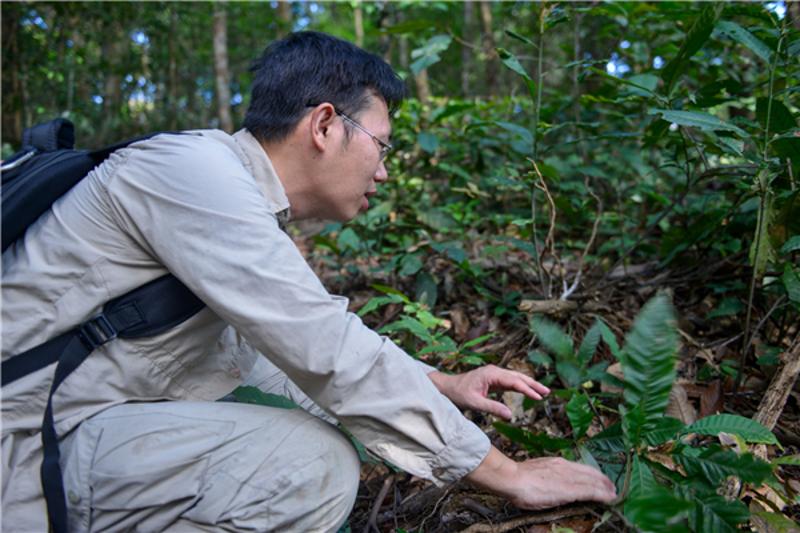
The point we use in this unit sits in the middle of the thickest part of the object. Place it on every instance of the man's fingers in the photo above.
(493, 407)
(511, 380)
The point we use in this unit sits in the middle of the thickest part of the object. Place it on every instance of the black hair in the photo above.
(308, 68)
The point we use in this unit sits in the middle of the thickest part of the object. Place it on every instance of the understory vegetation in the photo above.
(605, 196)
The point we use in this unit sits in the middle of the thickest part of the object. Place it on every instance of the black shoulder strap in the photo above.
(146, 311)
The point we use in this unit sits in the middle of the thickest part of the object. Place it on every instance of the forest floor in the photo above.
(709, 349)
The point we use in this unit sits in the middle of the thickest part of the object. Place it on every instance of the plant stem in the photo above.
(763, 193)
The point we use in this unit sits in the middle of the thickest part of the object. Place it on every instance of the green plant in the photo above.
(420, 331)
(667, 473)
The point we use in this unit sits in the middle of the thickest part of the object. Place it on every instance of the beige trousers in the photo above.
(209, 466)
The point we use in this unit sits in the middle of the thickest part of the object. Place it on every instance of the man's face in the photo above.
(356, 168)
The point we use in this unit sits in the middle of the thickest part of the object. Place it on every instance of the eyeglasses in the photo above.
(384, 147)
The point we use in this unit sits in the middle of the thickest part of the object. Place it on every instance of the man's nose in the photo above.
(381, 174)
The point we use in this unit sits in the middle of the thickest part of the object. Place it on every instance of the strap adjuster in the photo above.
(96, 332)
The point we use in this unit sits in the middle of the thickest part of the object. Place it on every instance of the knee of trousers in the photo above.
(325, 484)
(344, 467)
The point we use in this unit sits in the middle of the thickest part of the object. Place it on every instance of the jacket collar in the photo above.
(258, 164)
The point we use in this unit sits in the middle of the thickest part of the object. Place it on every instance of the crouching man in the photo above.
(143, 444)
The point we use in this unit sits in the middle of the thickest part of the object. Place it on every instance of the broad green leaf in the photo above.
(658, 511)
(744, 37)
(436, 218)
(649, 359)
(715, 464)
(662, 430)
(791, 245)
(539, 358)
(610, 339)
(633, 424)
(478, 340)
(427, 318)
(536, 443)
(791, 282)
(747, 428)
(715, 514)
(697, 119)
(511, 61)
(412, 26)
(428, 54)
(411, 325)
(552, 338)
(348, 239)
(569, 372)
(727, 307)
(441, 343)
(792, 460)
(580, 415)
(523, 133)
(428, 141)
(643, 84)
(410, 265)
(780, 118)
(761, 250)
(587, 458)
(643, 482)
(426, 290)
(385, 289)
(589, 344)
(695, 39)
(596, 372)
(522, 38)
(773, 523)
(379, 301)
(254, 395)
(609, 440)
(640, 85)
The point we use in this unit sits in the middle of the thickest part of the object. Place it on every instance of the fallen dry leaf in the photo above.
(679, 405)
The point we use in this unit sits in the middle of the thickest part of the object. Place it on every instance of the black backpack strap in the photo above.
(56, 134)
(146, 311)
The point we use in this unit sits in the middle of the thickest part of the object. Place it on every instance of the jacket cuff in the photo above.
(461, 456)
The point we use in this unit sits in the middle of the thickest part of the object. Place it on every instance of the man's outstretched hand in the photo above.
(533, 484)
(542, 482)
(471, 389)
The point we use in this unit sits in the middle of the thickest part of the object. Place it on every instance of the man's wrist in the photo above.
(440, 380)
(496, 473)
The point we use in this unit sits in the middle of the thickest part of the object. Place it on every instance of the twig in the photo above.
(557, 307)
(567, 293)
(372, 524)
(526, 520)
(549, 241)
(435, 507)
(763, 192)
(771, 406)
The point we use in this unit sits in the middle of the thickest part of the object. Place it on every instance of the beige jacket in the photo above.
(205, 207)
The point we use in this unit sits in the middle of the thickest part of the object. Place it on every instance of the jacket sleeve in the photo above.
(192, 205)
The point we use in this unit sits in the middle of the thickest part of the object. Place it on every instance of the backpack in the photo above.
(45, 169)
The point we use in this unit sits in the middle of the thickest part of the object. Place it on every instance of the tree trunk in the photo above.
(172, 69)
(489, 48)
(423, 86)
(285, 16)
(113, 48)
(358, 20)
(793, 12)
(222, 74)
(13, 95)
(466, 53)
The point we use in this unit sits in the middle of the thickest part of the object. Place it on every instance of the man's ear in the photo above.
(322, 118)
